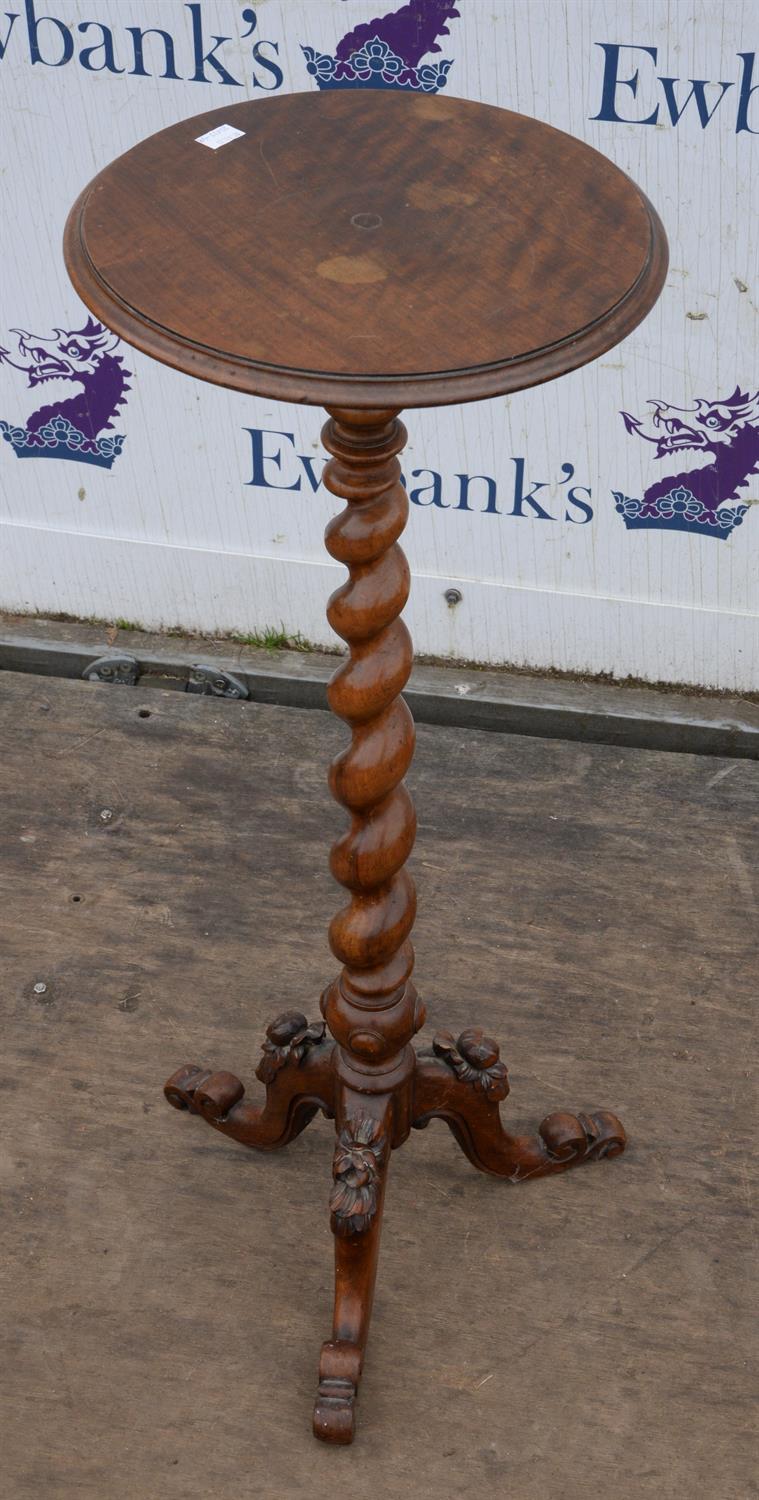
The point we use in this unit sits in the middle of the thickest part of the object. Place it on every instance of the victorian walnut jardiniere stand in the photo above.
(368, 251)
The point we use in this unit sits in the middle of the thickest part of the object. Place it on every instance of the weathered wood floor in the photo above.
(166, 1293)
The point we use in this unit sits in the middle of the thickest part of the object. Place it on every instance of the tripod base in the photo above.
(460, 1080)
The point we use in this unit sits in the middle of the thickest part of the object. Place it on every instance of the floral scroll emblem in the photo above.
(475, 1059)
(359, 1154)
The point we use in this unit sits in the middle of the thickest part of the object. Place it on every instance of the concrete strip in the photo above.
(456, 695)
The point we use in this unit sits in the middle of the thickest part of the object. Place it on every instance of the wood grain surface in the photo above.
(164, 1293)
(367, 249)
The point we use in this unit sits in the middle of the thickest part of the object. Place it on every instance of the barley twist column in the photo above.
(372, 1009)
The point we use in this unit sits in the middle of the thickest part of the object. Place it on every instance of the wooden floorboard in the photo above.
(166, 1293)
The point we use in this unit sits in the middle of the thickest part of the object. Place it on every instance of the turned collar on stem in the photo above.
(365, 428)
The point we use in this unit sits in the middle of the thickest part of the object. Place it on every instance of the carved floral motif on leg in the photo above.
(287, 1040)
(475, 1058)
(360, 1152)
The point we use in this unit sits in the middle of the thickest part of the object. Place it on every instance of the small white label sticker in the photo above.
(218, 137)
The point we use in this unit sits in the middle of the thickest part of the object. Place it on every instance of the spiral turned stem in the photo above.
(372, 1009)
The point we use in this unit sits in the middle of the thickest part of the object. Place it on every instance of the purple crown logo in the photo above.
(76, 427)
(387, 53)
(698, 499)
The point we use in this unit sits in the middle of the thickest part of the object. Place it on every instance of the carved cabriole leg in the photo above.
(372, 1009)
(356, 1203)
(462, 1081)
(296, 1067)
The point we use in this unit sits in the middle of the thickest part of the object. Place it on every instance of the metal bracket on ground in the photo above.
(214, 683)
(120, 669)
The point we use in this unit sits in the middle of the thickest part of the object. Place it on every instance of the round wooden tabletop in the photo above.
(367, 249)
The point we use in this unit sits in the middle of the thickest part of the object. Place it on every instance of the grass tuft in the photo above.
(271, 639)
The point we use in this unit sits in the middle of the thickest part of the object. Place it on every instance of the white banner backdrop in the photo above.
(580, 538)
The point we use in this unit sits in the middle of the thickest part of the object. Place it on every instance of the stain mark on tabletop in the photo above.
(432, 107)
(351, 270)
(426, 195)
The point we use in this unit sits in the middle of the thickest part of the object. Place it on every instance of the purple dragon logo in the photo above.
(698, 499)
(74, 426)
(387, 53)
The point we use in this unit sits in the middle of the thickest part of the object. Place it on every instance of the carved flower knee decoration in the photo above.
(475, 1058)
(287, 1040)
(359, 1153)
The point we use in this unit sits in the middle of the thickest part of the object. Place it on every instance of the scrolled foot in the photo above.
(211, 1095)
(180, 1088)
(574, 1138)
(334, 1408)
(296, 1067)
(217, 1096)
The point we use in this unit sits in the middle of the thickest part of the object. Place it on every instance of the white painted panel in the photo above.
(167, 584)
(175, 533)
